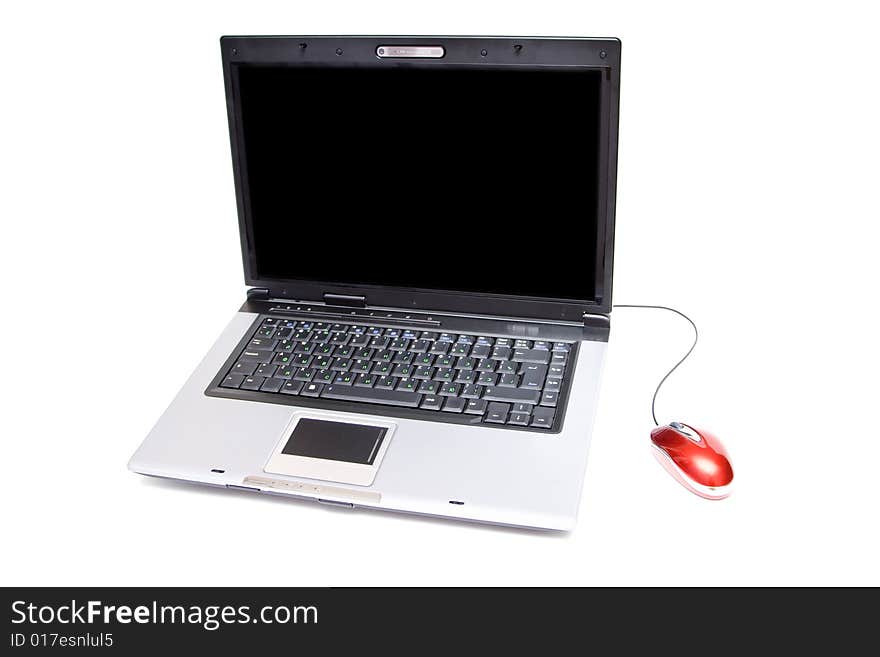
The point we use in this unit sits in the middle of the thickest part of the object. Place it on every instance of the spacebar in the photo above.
(373, 395)
(512, 395)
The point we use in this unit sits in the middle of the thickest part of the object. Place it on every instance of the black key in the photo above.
(424, 359)
(497, 413)
(446, 374)
(266, 370)
(447, 337)
(465, 364)
(301, 336)
(374, 330)
(503, 342)
(387, 382)
(512, 395)
(480, 351)
(507, 367)
(543, 417)
(325, 376)
(549, 398)
(344, 351)
(286, 372)
(400, 344)
(450, 389)
(321, 336)
(509, 380)
(471, 391)
(264, 344)
(552, 385)
(560, 357)
(424, 372)
(556, 370)
(324, 362)
(440, 347)
(443, 360)
(405, 357)
(305, 347)
(487, 379)
(522, 407)
(382, 368)
(392, 332)
(272, 385)
(475, 407)
(384, 356)
(366, 380)
(379, 342)
(408, 385)
(283, 332)
(501, 353)
(519, 419)
(285, 345)
(460, 349)
(429, 387)
(324, 349)
(419, 346)
(266, 331)
(362, 366)
(339, 327)
(531, 356)
(269, 321)
(561, 346)
(428, 335)
(232, 381)
(257, 355)
(486, 365)
(251, 383)
(346, 378)
(522, 344)
(467, 339)
(533, 376)
(454, 404)
(485, 340)
(464, 376)
(302, 360)
(245, 368)
(282, 359)
(291, 387)
(359, 340)
(403, 370)
(431, 402)
(314, 389)
(339, 338)
(304, 374)
(341, 365)
(373, 396)
(364, 353)
(321, 326)
(541, 344)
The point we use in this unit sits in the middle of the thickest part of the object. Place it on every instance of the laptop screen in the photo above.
(457, 179)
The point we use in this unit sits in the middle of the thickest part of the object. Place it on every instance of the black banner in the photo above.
(242, 620)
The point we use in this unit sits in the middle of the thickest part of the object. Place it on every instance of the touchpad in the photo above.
(331, 450)
(338, 441)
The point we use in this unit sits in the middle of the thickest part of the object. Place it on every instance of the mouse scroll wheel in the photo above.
(686, 431)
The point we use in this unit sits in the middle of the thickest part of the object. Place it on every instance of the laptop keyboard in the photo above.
(495, 380)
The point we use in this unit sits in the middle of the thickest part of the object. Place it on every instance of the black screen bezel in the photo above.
(602, 54)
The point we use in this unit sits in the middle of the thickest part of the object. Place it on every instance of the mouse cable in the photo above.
(683, 358)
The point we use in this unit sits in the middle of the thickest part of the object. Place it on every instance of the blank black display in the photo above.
(337, 441)
(469, 179)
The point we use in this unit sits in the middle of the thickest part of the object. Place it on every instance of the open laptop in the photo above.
(426, 228)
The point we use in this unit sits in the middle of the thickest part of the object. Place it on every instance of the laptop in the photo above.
(426, 231)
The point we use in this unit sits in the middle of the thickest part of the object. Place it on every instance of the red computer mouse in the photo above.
(695, 458)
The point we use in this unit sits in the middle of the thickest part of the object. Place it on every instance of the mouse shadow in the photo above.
(194, 488)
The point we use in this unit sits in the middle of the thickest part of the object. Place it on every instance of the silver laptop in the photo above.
(426, 229)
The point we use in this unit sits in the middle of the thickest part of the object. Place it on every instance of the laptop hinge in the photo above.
(258, 293)
(347, 300)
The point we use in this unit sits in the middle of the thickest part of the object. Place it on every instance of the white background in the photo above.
(747, 196)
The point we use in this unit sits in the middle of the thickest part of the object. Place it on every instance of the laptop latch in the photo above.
(347, 300)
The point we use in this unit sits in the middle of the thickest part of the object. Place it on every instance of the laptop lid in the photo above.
(459, 174)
